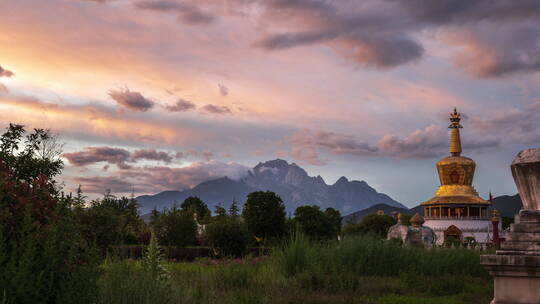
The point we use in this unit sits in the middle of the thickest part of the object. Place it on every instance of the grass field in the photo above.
(357, 270)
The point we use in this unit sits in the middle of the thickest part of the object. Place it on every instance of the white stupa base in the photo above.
(480, 230)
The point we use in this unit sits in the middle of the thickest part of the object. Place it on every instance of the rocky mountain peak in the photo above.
(290, 181)
(341, 181)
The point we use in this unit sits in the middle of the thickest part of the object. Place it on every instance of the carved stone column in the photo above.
(516, 266)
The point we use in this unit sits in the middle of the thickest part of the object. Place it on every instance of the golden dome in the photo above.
(456, 173)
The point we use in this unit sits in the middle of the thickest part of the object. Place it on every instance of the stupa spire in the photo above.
(455, 140)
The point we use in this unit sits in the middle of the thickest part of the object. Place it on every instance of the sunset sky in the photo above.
(163, 94)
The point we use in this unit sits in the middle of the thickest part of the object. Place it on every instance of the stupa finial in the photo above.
(455, 141)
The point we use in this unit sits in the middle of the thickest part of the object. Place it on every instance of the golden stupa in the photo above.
(456, 197)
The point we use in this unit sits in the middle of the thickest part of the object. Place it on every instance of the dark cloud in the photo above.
(5, 73)
(458, 12)
(92, 155)
(287, 40)
(215, 109)
(117, 156)
(187, 13)
(131, 100)
(509, 50)
(151, 154)
(3, 88)
(181, 105)
(497, 37)
(521, 126)
(223, 90)
(150, 180)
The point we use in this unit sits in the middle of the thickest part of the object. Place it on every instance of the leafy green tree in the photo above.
(194, 204)
(111, 221)
(371, 224)
(317, 224)
(264, 214)
(31, 156)
(228, 237)
(175, 227)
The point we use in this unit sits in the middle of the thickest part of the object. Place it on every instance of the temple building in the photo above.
(456, 212)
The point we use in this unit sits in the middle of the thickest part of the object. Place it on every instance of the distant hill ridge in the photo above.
(506, 205)
(289, 181)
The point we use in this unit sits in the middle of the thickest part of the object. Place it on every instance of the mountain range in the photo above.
(289, 181)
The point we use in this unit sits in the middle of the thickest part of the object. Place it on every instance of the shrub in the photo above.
(43, 256)
(175, 228)
(317, 224)
(228, 237)
(371, 224)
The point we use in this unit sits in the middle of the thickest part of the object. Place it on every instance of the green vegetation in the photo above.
(357, 270)
(195, 205)
(371, 224)
(264, 214)
(176, 227)
(44, 257)
(228, 237)
(318, 224)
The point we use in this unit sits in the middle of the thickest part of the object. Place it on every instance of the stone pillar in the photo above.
(516, 266)
(495, 225)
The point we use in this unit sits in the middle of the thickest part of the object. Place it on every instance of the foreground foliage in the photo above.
(357, 270)
(44, 257)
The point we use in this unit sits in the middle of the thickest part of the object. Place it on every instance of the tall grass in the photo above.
(361, 270)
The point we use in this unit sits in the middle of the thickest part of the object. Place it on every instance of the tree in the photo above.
(32, 156)
(234, 211)
(220, 211)
(264, 214)
(228, 237)
(176, 228)
(371, 224)
(334, 216)
(317, 224)
(111, 221)
(43, 256)
(194, 204)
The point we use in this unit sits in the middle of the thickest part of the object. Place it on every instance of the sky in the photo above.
(154, 95)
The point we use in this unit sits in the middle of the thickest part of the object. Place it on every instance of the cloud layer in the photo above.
(151, 179)
(431, 142)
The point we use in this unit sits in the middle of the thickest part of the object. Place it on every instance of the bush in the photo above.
(176, 228)
(45, 262)
(317, 224)
(228, 237)
(371, 224)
